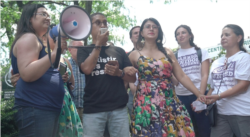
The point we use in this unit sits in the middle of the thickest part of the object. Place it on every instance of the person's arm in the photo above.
(132, 88)
(240, 87)
(210, 91)
(90, 63)
(127, 74)
(127, 71)
(208, 101)
(175, 81)
(126, 85)
(204, 75)
(242, 75)
(183, 78)
(27, 50)
(72, 79)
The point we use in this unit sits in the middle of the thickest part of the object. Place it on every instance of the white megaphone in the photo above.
(75, 23)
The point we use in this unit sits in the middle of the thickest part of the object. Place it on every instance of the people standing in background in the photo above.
(78, 90)
(134, 34)
(195, 64)
(69, 121)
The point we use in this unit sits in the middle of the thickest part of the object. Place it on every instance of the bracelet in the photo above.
(219, 96)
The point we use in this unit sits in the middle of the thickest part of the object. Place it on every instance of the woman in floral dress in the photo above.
(70, 124)
(69, 121)
(157, 111)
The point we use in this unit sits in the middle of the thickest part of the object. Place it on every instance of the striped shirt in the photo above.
(78, 91)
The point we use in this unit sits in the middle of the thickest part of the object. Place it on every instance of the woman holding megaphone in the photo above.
(39, 90)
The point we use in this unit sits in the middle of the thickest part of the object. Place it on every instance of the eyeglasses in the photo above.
(153, 27)
(99, 23)
(45, 15)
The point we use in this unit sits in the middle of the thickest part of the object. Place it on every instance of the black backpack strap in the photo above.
(199, 55)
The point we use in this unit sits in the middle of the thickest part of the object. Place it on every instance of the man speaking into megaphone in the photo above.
(105, 68)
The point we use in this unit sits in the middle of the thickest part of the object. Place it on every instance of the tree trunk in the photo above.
(88, 8)
(76, 3)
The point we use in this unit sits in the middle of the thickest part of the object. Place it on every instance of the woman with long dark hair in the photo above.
(195, 64)
(39, 90)
(156, 109)
(229, 80)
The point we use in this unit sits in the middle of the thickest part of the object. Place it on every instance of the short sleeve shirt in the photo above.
(224, 76)
(102, 91)
(190, 64)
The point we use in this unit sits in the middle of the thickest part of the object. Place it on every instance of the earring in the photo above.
(142, 41)
(158, 41)
(190, 39)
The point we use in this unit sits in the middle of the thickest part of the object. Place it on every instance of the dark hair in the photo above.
(24, 25)
(130, 32)
(160, 37)
(94, 14)
(237, 31)
(191, 40)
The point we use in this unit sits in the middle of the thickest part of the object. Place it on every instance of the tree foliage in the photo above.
(10, 12)
(8, 126)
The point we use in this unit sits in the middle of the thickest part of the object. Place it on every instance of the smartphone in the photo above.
(62, 68)
(112, 62)
(103, 30)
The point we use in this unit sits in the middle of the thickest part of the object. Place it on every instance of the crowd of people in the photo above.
(147, 92)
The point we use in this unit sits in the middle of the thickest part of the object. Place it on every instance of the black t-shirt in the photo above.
(102, 91)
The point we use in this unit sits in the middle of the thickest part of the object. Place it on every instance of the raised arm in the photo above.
(240, 87)
(90, 63)
(27, 50)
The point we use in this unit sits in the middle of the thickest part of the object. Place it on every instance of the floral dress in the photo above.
(69, 121)
(157, 111)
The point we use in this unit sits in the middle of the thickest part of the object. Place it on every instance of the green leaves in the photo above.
(8, 126)
(117, 16)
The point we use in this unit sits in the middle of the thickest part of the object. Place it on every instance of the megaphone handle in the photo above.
(58, 53)
(49, 52)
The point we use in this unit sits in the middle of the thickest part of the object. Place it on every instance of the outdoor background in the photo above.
(205, 17)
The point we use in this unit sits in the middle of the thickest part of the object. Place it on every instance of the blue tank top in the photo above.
(45, 93)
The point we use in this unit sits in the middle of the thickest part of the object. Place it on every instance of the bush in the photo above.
(8, 125)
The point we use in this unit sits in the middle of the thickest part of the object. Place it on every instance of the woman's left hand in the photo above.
(65, 77)
(14, 78)
(211, 99)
